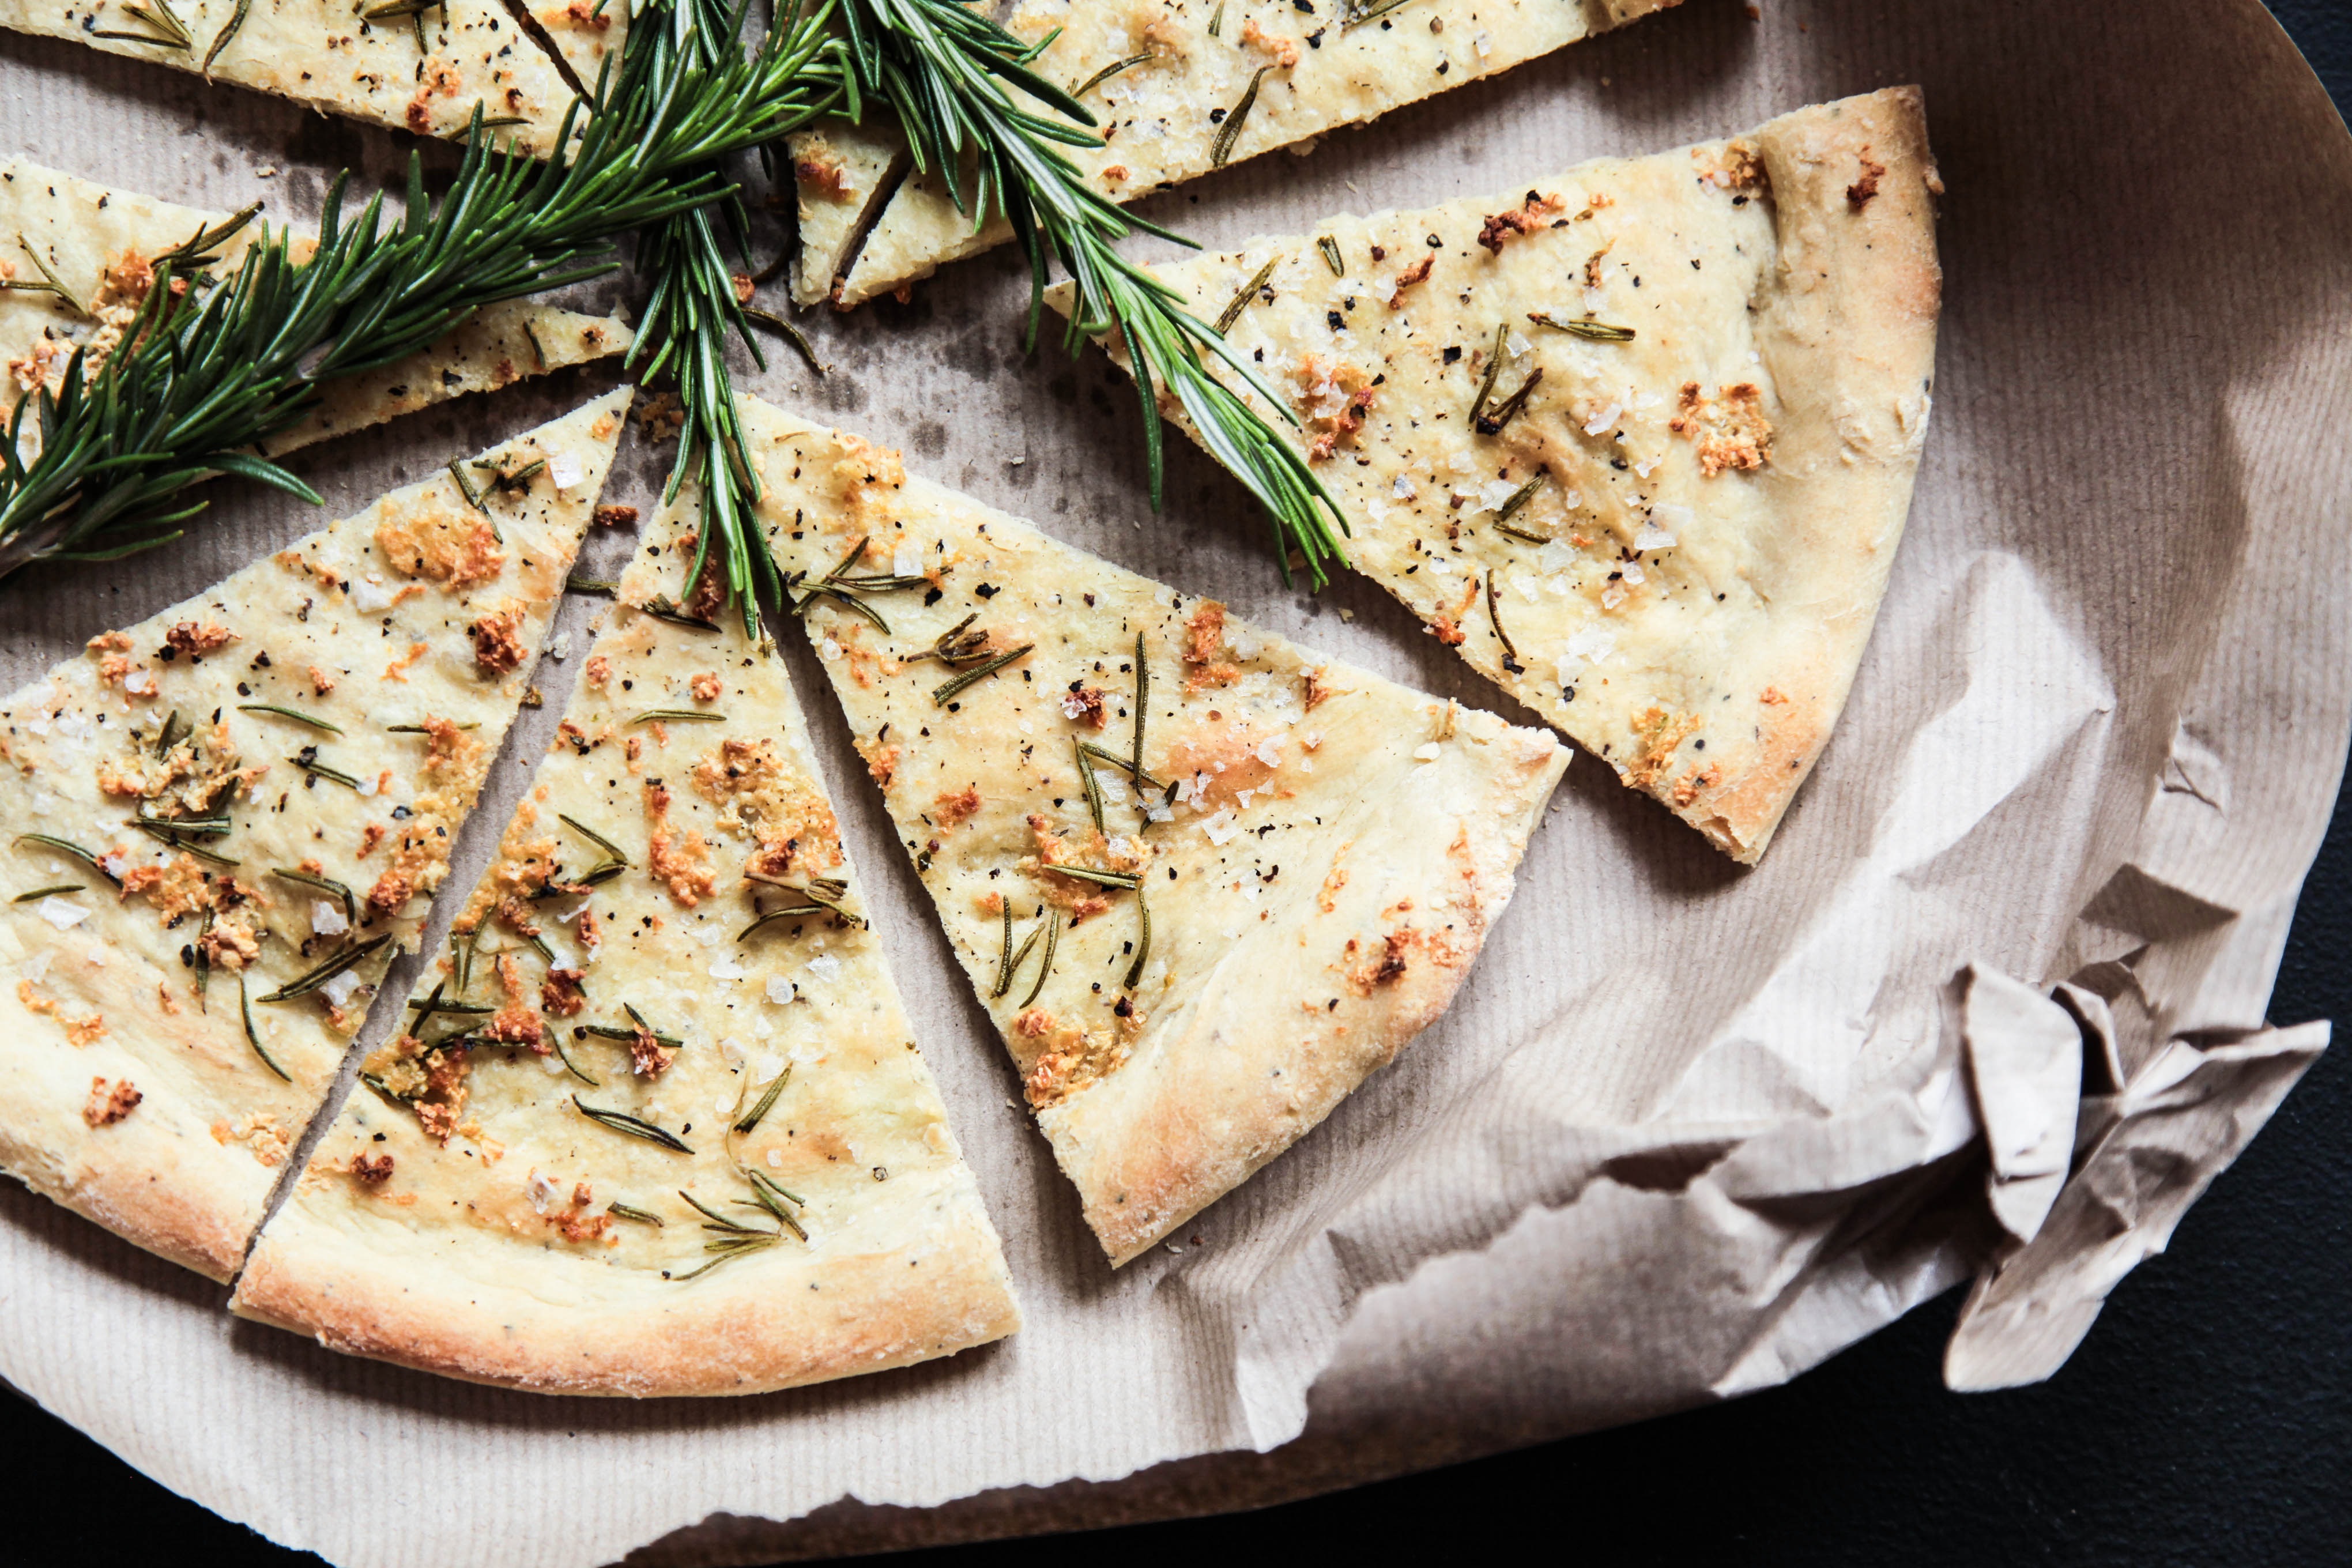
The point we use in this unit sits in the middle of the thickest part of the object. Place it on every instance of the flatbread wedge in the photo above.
(96, 242)
(222, 822)
(842, 171)
(424, 71)
(1192, 967)
(1659, 509)
(1183, 87)
(691, 1147)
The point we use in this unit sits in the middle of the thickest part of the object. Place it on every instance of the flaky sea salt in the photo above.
(564, 469)
(327, 919)
(1600, 423)
(339, 990)
(1654, 538)
(369, 594)
(61, 914)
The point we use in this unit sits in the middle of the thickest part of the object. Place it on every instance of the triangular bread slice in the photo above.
(468, 1214)
(324, 54)
(1185, 994)
(1683, 528)
(171, 1022)
(841, 172)
(1212, 82)
(96, 241)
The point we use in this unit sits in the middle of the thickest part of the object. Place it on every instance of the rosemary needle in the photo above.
(977, 672)
(1046, 964)
(347, 959)
(1019, 959)
(64, 847)
(1003, 959)
(1142, 695)
(294, 714)
(1332, 258)
(634, 1126)
(1230, 131)
(1495, 618)
(1240, 302)
(1143, 942)
(252, 1035)
(1087, 780)
(53, 888)
(1583, 327)
(1520, 498)
(767, 1102)
(1493, 369)
(630, 1211)
(1109, 71)
(688, 715)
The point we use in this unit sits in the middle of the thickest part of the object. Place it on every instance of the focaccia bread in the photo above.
(226, 820)
(97, 242)
(1663, 515)
(647, 1132)
(423, 72)
(1205, 83)
(1189, 970)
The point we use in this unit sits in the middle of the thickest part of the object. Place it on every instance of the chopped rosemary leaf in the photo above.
(630, 1211)
(634, 1126)
(53, 888)
(63, 847)
(253, 1036)
(473, 497)
(555, 1038)
(1086, 780)
(1019, 959)
(175, 730)
(535, 346)
(767, 1102)
(294, 714)
(1046, 964)
(325, 884)
(1495, 618)
(770, 1198)
(516, 480)
(627, 1036)
(1124, 764)
(1003, 959)
(842, 594)
(1143, 942)
(1331, 257)
(1111, 70)
(720, 1222)
(461, 950)
(793, 911)
(1493, 369)
(1583, 327)
(1142, 695)
(956, 645)
(392, 1097)
(1231, 130)
(307, 759)
(1240, 302)
(597, 585)
(688, 715)
(729, 1250)
(1519, 498)
(1105, 879)
(1351, 20)
(790, 334)
(346, 959)
(425, 728)
(598, 839)
(1520, 533)
(203, 962)
(976, 673)
(1492, 423)
(1217, 19)
(661, 608)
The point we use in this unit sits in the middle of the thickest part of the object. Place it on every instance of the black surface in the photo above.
(2208, 1418)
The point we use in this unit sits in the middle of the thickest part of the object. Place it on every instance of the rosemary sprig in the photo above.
(948, 75)
(50, 282)
(1123, 763)
(195, 381)
(634, 1126)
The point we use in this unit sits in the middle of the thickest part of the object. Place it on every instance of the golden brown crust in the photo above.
(828, 1318)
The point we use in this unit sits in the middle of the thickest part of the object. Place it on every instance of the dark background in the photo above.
(2207, 1418)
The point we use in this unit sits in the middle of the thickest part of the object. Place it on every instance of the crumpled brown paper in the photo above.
(1689, 1130)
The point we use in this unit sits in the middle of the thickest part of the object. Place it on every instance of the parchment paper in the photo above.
(1689, 1130)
